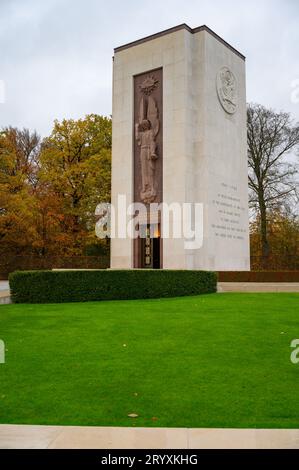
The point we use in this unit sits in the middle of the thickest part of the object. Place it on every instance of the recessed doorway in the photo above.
(147, 249)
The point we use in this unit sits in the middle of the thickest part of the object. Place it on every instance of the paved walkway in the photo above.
(77, 437)
(4, 292)
(258, 287)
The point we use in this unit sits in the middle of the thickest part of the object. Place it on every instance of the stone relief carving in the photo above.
(146, 130)
(227, 89)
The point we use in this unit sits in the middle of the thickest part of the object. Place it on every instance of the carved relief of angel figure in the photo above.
(146, 130)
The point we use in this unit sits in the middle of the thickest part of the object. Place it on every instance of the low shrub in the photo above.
(82, 286)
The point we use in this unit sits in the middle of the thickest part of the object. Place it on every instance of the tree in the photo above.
(283, 236)
(76, 164)
(271, 137)
(19, 151)
(50, 239)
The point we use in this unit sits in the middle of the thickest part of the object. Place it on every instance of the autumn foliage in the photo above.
(49, 188)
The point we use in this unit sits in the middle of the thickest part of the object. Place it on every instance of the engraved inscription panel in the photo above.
(230, 215)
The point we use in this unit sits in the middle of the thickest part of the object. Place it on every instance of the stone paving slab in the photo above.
(85, 437)
(124, 438)
(27, 437)
(244, 438)
(258, 287)
(5, 297)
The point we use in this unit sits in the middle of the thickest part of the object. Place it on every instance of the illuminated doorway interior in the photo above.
(148, 252)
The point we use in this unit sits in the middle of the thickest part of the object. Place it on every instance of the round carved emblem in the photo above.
(227, 89)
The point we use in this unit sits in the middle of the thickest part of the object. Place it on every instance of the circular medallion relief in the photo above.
(227, 89)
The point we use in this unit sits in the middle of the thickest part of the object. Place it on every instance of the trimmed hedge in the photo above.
(83, 286)
(258, 276)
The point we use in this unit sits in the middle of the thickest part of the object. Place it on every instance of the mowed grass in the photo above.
(218, 360)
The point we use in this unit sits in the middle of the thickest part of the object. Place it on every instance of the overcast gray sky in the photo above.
(56, 55)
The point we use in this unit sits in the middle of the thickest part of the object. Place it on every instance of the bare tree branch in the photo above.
(271, 137)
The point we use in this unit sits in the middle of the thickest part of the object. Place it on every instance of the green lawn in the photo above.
(218, 360)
